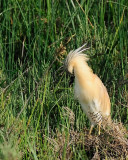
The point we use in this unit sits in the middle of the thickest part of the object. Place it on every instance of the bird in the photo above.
(88, 89)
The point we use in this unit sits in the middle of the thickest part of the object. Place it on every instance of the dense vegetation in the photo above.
(37, 107)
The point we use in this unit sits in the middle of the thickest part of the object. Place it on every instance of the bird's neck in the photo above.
(82, 72)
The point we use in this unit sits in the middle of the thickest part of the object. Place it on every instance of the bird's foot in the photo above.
(90, 131)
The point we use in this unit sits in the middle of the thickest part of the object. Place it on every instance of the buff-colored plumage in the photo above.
(89, 89)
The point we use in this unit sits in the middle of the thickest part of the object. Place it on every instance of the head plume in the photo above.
(78, 53)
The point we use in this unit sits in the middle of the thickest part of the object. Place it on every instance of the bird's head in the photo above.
(69, 64)
(73, 57)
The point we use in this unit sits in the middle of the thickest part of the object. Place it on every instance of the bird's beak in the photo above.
(64, 68)
(71, 80)
(71, 76)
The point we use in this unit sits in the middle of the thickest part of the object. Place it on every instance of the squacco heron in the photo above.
(89, 89)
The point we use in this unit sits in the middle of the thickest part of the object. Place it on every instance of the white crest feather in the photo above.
(74, 53)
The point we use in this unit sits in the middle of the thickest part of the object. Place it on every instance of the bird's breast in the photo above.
(82, 93)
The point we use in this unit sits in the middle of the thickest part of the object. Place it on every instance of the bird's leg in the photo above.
(90, 131)
(99, 125)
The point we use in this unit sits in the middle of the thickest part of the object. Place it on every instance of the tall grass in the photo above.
(35, 37)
